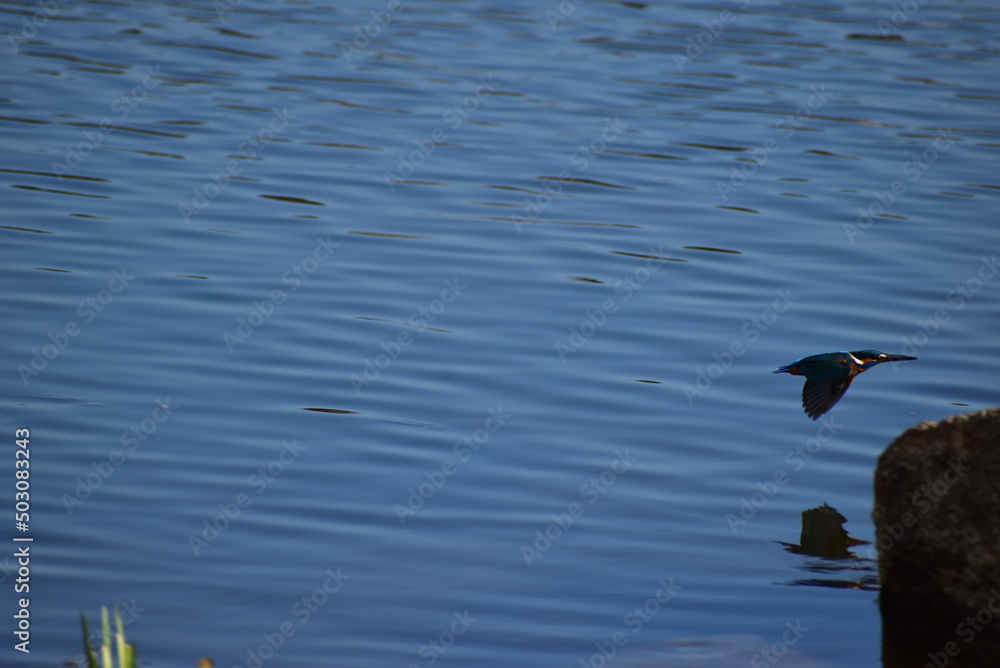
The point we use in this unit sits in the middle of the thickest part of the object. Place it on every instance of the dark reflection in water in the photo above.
(928, 634)
(912, 635)
(823, 536)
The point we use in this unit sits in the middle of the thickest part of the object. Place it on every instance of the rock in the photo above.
(937, 527)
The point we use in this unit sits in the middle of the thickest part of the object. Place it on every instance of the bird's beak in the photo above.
(898, 358)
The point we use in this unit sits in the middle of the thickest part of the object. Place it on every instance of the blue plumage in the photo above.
(828, 375)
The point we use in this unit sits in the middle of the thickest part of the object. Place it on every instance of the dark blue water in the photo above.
(441, 333)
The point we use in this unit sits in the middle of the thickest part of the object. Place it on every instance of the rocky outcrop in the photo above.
(937, 526)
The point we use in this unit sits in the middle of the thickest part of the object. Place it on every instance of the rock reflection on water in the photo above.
(823, 536)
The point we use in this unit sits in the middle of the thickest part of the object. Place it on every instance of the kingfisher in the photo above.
(828, 375)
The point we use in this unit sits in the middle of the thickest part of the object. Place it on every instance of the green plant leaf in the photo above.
(106, 638)
(88, 648)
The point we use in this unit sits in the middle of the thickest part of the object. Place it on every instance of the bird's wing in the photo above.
(820, 394)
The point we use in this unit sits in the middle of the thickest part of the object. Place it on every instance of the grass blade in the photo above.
(106, 637)
(88, 647)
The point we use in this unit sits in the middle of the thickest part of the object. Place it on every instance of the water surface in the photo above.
(444, 334)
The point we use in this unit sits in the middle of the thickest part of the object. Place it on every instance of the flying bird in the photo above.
(828, 375)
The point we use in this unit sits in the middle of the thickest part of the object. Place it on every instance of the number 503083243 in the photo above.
(22, 475)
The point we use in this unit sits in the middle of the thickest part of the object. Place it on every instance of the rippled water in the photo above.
(442, 333)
